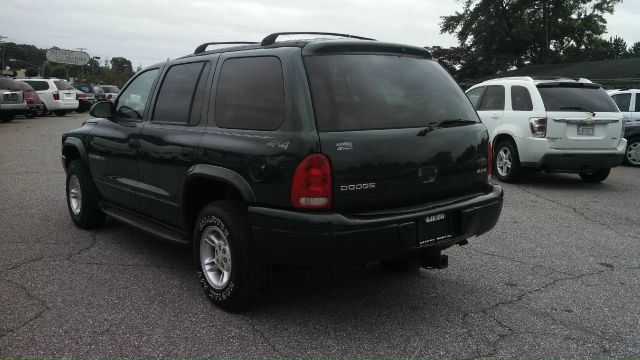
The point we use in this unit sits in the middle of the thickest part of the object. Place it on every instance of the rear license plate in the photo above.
(434, 229)
(585, 130)
(10, 97)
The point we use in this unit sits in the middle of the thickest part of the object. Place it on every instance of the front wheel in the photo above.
(229, 270)
(84, 212)
(595, 176)
(506, 162)
(632, 155)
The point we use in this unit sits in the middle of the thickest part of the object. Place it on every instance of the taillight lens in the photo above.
(311, 185)
(80, 96)
(489, 160)
(110, 97)
(56, 95)
(538, 127)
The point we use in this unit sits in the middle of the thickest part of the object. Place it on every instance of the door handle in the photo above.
(495, 116)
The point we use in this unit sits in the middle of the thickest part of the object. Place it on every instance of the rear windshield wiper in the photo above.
(579, 108)
(445, 124)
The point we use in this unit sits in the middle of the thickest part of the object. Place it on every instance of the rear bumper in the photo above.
(13, 107)
(326, 239)
(580, 162)
(62, 105)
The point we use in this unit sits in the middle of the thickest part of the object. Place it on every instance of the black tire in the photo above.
(631, 155)
(31, 114)
(60, 112)
(44, 111)
(596, 176)
(88, 215)
(247, 272)
(510, 174)
(407, 265)
(6, 117)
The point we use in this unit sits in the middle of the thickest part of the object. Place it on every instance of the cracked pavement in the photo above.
(557, 277)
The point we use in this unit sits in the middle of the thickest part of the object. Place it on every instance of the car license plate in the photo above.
(10, 97)
(585, 130)
(434, 229)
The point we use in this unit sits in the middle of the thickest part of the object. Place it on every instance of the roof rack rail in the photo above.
(270, 39)
(200, 49)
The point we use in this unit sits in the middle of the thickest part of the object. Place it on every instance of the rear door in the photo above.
(624, 102)
(397, 130)
(581, 116)
(491, 109)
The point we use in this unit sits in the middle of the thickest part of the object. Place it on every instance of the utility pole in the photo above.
(82, 66)
(4, 45)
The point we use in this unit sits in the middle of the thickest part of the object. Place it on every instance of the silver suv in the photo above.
(11, 99)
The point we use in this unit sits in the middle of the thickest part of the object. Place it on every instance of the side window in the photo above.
(623, 101)
(521, 99)
(250, 94)
(133, 99)
(638, 102)
(175, 101)
(38, 85)
(493, 98)
(475, 95)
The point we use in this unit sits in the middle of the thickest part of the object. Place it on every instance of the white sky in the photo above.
(150, 31)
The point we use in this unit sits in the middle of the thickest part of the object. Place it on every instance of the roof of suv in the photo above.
(537, 80)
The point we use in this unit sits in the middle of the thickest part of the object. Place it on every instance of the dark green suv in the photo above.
(316, 152)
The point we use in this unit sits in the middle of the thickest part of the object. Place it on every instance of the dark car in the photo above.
(85, 100)
(35, 106)
(92, 89)
(111, 92)
(310, 152)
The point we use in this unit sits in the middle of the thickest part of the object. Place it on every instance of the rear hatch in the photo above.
(10, 92)
(398, 131)
(580, 116)
(66, 91)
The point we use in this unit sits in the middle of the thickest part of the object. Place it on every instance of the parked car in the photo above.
(110, 91)
(555, 125)
(11, 99)
(628, 102)
(57, 95)
(384, 159)
(34, 104)
(85, 100)
(92, 89)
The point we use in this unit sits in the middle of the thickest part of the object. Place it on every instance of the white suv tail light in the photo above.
(538, 127)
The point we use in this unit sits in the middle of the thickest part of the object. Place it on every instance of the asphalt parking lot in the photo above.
(558, 276)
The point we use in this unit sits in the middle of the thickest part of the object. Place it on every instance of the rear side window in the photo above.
(638, 102)
(576, 97)
(63, 85)
(475, 96)
(493, 98)
(366, 92)
(38, 85)
(175, 99)
(623, 101)
(521, 99)
(250, 94)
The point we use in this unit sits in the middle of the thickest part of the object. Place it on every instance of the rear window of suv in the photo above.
(63, 85)
(576, 97)
(366, 92)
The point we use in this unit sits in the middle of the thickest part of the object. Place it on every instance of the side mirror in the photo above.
(103, 109)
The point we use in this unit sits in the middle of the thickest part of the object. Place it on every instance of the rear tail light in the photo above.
(538, 127)
(110, 97)
(56, 95)
(489, 160)
(81, 96)
(311, 184)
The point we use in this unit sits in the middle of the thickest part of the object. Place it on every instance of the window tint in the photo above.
(364, 92)
(475, 95)
(638, 102)
(521, 99)
(132, 101)
(24, 86)
(38, 85)
(63, 85)
(176, 93)
(493, 98)
(250, 94)
(623, 101)
(576, 97)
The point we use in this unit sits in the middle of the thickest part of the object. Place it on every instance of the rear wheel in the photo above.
(60, 112)
(84, 212)
(632, 155)
(44, 111)
(595, 176)
(506, 162)
(229, 270)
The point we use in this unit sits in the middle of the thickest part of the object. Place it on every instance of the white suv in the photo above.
(555, 125)
(629, 103)
(57, 95)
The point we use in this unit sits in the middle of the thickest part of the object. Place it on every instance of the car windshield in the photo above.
(63, 85)
(576, 97)
(363, 92)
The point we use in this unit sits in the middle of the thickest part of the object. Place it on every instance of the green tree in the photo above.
(503, 34)
(635, 50)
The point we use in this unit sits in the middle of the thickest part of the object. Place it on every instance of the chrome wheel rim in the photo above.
(503, 161)
(215, 257)
(633, 153)
(75, 195)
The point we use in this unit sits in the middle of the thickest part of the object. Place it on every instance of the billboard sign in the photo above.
(68, 57)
